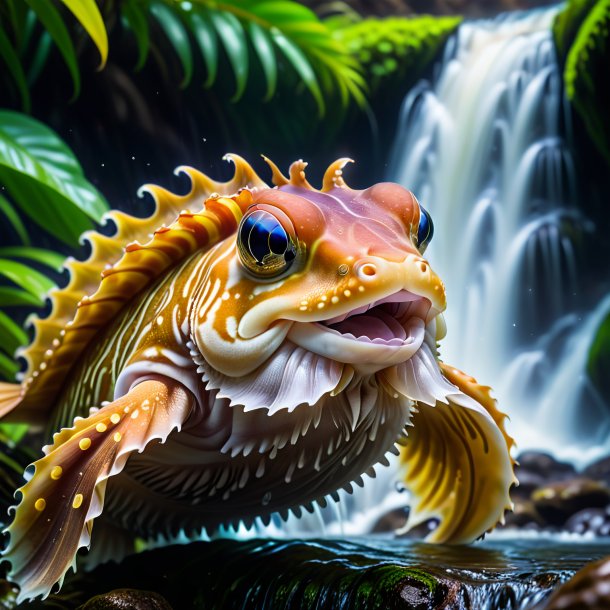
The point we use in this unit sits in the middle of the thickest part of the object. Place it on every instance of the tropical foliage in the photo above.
(598, 363)
(582, 37)
(243, 36)
(43, 182)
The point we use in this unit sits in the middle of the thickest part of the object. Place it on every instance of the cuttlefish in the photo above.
(244, 351)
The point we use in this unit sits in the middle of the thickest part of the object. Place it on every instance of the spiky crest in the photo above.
(178, 225)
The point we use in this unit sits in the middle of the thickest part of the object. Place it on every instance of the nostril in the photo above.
(367, 270)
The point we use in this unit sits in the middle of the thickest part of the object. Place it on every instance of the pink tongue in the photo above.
(374, 325)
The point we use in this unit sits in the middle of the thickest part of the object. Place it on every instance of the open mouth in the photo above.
(383, 333)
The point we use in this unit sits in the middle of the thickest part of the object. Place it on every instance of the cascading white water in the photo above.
(484, 149)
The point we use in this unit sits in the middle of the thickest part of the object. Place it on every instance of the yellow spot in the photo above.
(335, 300)
(303, 308)
(135, 414)
(115, 418)
(320, 305)
(78, 500)
(225, 295)
(159, 320)
(304, 302)
(43, 366)
(40, 504)
(84, 443)
(117, 437)
(101, 427)
(237, 295)
(360, 288)
(56, 472)
(126, 409)
(347, 293)
(324, 298)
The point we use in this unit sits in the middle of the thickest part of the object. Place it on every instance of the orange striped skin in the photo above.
(268, 391)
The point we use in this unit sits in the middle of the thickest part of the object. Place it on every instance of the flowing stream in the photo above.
(485, 148)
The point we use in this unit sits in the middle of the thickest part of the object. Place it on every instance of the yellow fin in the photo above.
(66, 492)
(103, 284)
(458, 467)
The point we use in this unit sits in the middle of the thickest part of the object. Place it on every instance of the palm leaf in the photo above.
(55, 26)
(50, 259)
(176, 33)
(137, 21)
(32, 281)
(89, 16)
(263, 45)
(16, 224)
(9, 57)
(231, 32)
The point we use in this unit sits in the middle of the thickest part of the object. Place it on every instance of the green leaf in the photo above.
(206, 38)
(15, 432)
(54, 24)
(177, 35)
(138, 23)
(9, 211)
(45, 179)
(46, 257)
(264, 48)
(8, 367)
(233, 37)
(27, 278)
(11, 297)
(14, 67)
(41, 55)
(301, 64)
(89, 16)
(11, 334)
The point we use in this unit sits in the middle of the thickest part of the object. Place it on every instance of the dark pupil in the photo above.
(262, 234)
(425, 230)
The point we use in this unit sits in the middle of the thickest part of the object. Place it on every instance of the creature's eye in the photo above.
(425, 231)
(265, 247)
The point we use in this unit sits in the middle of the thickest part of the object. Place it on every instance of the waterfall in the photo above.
(485, 148)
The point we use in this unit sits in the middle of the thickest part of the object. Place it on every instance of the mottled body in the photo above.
(264, 350)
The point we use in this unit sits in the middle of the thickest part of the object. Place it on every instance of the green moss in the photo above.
(598, 363)
(582, 37)
(394, 48)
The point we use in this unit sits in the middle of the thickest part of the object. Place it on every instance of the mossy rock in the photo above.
(598, 363)
(395, 51)
(261, 574)
(582, 38)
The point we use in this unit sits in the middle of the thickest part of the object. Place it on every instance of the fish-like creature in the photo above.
(248, 350)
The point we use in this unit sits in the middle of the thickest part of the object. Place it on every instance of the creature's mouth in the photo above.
(383, 333)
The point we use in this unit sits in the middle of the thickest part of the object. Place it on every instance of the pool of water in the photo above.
(359, 572)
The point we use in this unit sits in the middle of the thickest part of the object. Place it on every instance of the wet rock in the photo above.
(529, 482)
(391, 521)
(589, 589)
(127, 599)
(557, 502)
(524, 515)
(544, 465)
(590, 521)
(599, 470)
